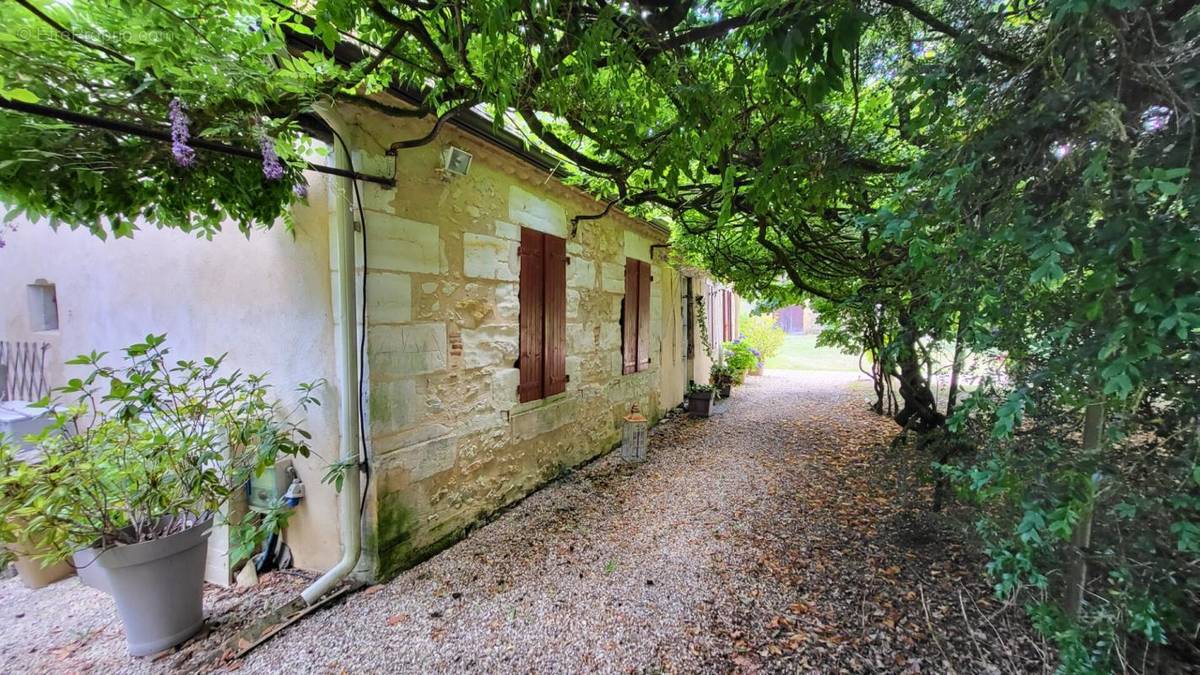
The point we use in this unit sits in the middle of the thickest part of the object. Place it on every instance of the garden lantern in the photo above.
(634, 436)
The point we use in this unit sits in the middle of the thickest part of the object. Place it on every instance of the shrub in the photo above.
(143, 450)
(762, 333)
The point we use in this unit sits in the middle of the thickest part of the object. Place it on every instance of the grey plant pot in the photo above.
(90, 572)
(159, 587)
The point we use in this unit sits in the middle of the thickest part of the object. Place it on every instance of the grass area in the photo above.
(800, 352)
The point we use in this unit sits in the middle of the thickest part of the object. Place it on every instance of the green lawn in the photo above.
(800, 352)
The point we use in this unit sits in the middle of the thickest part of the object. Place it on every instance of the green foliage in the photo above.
(138, 451)
(720, 374)
(761, 332)
(15, 479)
(127, 61)
(739, 358)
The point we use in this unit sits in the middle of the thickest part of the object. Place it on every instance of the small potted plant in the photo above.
(139, 460)
(700, 399)
(721, 377)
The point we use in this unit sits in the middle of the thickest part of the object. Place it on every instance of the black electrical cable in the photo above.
(364, 460)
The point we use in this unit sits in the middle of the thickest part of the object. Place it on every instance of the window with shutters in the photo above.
(543, 316)
(635, 317)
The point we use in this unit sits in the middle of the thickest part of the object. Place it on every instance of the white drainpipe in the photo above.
(341, 223)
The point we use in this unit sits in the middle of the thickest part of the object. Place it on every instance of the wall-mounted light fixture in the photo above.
(455, 161)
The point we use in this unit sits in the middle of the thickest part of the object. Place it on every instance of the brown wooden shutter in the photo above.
(643, 316)
(629, 331)
(555, 307)
(531, 297)
(727, 330)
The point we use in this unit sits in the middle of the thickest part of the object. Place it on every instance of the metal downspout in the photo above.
(341, 222)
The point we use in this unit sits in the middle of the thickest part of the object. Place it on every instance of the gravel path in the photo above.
(728, 550)
(765, 538)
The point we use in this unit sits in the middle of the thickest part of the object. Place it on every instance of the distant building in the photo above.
(798, 320)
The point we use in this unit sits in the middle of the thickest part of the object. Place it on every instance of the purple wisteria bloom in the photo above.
(301, 189)
(184, 154)
(272, 167)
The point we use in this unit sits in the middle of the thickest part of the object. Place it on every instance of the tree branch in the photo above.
(71, 34)
(946, 29)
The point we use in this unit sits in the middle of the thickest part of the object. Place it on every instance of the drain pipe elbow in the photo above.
(342, 257)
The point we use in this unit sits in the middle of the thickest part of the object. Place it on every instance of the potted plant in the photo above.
(740, 359)
(757, 370)
(700, 399)
(139, 460)
(721, 377)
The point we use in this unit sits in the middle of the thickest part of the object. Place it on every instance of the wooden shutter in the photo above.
(629, 330)
(727, 330)
(555, 347)
(531, 297)
(643, 316)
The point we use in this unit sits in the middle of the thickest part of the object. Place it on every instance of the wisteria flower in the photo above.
(184, 154)
(301, 189)
(272, 167)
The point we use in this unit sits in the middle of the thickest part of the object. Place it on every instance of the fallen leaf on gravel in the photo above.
(397, 619)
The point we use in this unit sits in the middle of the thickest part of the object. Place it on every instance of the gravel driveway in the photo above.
(766, 538)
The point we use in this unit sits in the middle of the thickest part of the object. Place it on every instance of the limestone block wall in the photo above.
(449, 442)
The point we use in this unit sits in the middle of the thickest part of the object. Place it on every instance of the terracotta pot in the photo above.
(31, 570)
(34, 575)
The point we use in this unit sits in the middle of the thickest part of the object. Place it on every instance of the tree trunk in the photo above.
(920, 407)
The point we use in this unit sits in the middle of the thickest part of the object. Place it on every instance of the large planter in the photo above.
(700, 403)
(723, 386)
(30, 569)
(34, 575)
(89, 571)
(159, 587)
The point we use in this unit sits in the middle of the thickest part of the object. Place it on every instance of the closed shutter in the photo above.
(555, 307)
(531, 296)
(728, 328)
(629, 319)
(643, 316)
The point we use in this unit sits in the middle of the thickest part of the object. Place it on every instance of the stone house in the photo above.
(505, 340)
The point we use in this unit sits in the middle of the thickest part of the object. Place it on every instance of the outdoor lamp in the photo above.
(634, 436)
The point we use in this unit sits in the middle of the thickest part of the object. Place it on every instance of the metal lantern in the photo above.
(634, 437)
